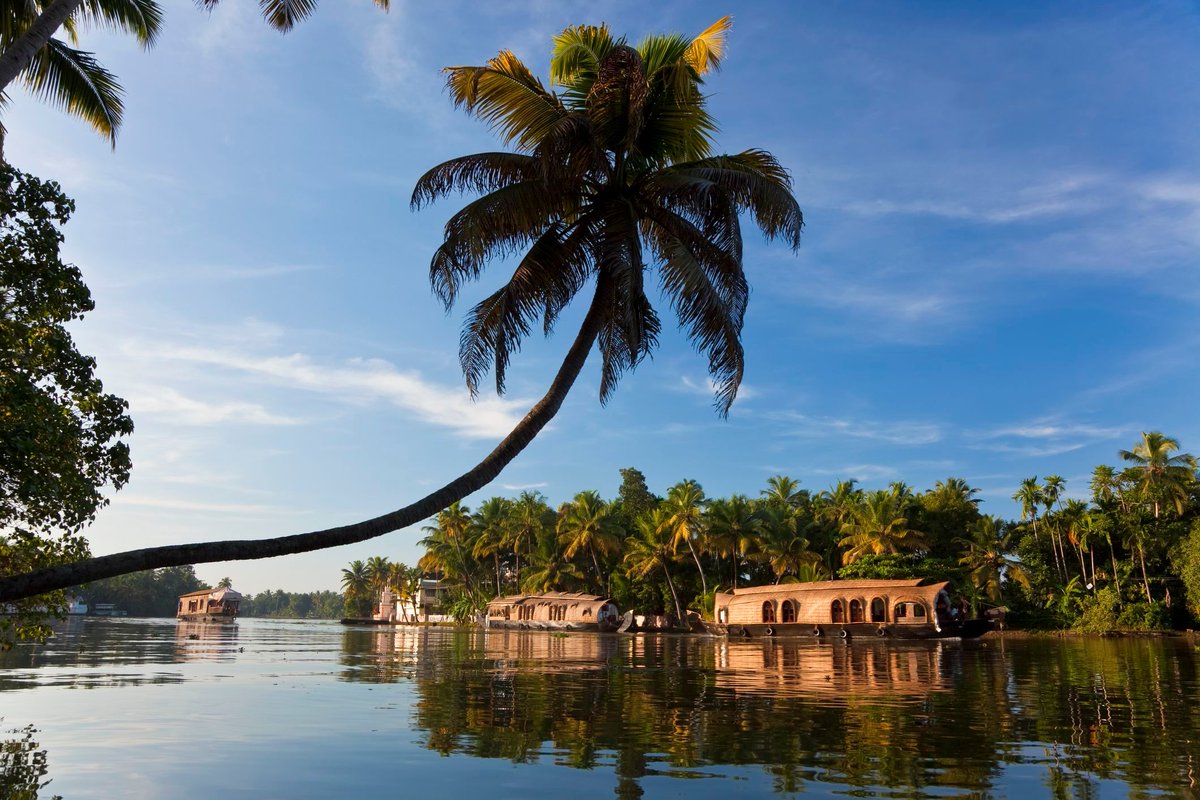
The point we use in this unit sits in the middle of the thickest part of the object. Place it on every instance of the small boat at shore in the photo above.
(209, 605)
(903, 609)
(574, 611)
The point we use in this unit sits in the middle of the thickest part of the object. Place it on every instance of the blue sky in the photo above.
(998, 276)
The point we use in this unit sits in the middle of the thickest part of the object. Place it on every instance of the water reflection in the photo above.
(919, 717)
(23, 765)
(1071, 718)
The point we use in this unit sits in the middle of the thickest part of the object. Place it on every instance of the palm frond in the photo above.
(496, 224)
(708, 48)
(709, 294)
(481, 172)
(617, 98)
(282, 15)
(142, 18)
(548, 277)
(759, 184)
(575, 60)
(507, 96)
(630, 328)
(74, 81)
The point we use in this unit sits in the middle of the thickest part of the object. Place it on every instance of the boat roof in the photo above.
(821, 586)
(221, 593)
(523, 599)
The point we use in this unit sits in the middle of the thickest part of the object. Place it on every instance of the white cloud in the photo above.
(707, 387)
(899, 433)
(861, 472)
(362, 380)
(177, 504)
(521, 487)
(177, 408)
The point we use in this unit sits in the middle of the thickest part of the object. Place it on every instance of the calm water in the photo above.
(267, 709)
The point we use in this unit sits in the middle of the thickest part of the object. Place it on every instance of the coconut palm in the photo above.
(447, 547)
(587, 525)
(225, 583)
(733, 530)
(612, 176)
(1161, 477)
(1029, 495)
(56, 71)
(878, 526)
(356, 587)
(782, 490)
(987, 561)
(782, 544)
(378, 570)
(685, 521)
(651, 548)
(528, 517)
(491, 525)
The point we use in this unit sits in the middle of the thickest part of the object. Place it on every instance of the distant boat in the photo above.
(554, 611)
(904, 609)
(209, 605)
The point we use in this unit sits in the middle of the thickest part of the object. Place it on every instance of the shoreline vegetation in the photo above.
(1127, 558)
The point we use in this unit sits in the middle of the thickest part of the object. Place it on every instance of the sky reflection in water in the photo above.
(310, 709)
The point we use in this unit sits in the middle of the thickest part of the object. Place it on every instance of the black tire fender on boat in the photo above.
(745, 631)
(881, 632)
(816, 631)
(770, 631)
(845, 634)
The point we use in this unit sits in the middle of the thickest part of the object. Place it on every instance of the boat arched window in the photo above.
(768, 611)
(788, 611)
(919, 610)
(900, 611)
(856, 611)
(837, 612)
(878, 610)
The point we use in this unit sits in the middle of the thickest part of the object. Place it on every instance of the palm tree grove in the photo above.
(1121, 553)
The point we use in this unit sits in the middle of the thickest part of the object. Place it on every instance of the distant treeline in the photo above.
(155, 593)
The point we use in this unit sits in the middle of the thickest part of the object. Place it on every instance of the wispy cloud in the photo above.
(358, 381)
(899, 433)
(861, 472)
(178, 504)
(180, 409)
(521, 487)
(1046, 436)
(707, 387)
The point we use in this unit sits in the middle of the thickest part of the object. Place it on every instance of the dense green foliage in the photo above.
(153, 593)
(61, 435)
(1130, 559)
(293, 605)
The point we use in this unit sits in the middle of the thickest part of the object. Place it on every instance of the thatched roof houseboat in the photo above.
(554, 611)
(209, 605)
(905, 609)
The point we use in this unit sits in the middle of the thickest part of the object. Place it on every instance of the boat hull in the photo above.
(205, 618)
(554, 625)
(968, 629)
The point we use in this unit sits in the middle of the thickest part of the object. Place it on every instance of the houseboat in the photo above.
(904, 609)
(554, 611)
(209, 605)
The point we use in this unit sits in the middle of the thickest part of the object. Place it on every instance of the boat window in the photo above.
(837, 613)
(587, 612)
(789, 611)
(768, 611)
(856, 611)
(878, 610)
(918, 610)
(901, 611)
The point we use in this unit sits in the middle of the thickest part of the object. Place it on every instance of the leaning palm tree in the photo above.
(1029, 495)
(356, 587)
(611, 176)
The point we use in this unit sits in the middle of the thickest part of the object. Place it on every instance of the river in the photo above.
(290, 709)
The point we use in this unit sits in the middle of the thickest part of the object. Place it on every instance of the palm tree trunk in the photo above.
(700, 569)
(1112, 551)
(675, 597)
(18, 56)
(1145, 580)
(496, 556)
(15, 587)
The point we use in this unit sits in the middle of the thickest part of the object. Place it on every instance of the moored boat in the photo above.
(554, 611)
(209, 605)
(904, 609)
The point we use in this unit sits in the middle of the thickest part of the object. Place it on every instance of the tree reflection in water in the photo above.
(976, 717)
(23, 765)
